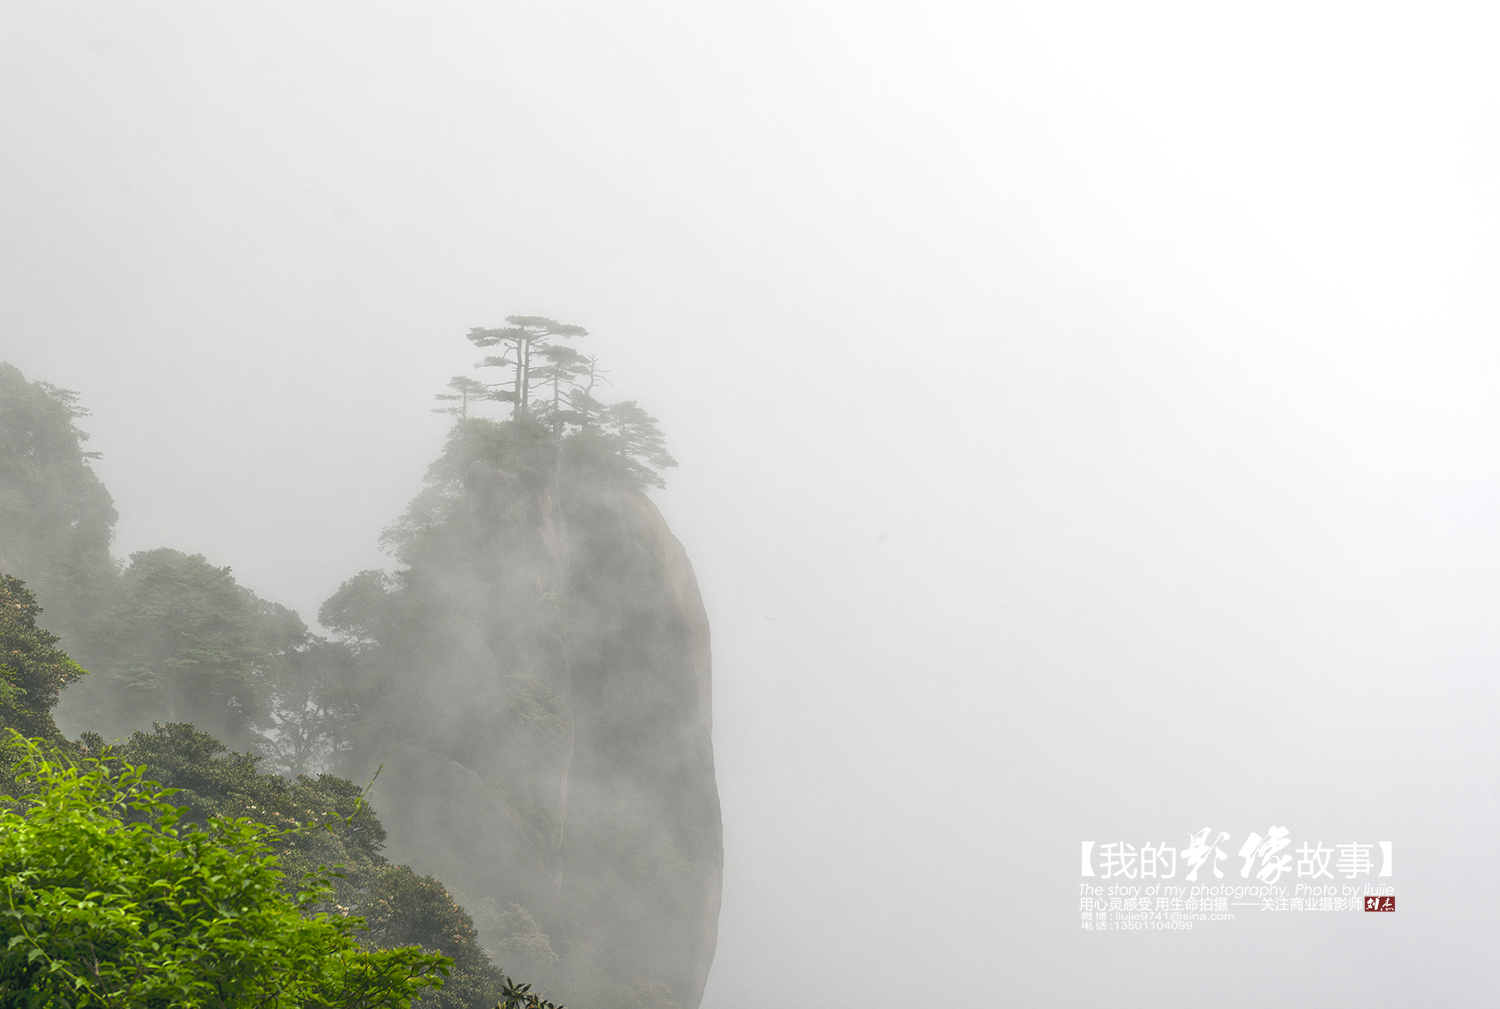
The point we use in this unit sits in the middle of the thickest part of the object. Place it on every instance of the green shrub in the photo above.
(109, 902)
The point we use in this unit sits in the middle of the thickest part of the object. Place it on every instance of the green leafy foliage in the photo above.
(111, 900)
(520, 996)
(359, 612)
(178, 644)
(211, 781)
(183, 642)
(402, 908)
(32, 670)
(311, 692)
(398, 907)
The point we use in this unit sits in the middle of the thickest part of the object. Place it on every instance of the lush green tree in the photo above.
(112, 901)
(32, 670)
(56, 518)
(398, 907)
(370, 621)
(359, 613)
(211, 780)
(311, 691)
(521, 337)
(315, 699)
(179, 644)
(402, 908)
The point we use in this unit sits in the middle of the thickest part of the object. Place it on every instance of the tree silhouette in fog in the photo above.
(638, 441)
(622, 431)
(522, 335)
(564, 367)
(464, 390)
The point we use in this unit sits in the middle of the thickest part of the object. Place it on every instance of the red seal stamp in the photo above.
(1380, 903)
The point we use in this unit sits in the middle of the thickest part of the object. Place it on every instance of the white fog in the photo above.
(1085, 417)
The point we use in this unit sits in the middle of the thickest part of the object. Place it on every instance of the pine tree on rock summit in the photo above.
(523, 335)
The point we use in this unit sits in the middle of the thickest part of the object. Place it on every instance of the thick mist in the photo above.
(1085, 416)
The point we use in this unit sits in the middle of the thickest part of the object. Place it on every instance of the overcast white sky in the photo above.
(1086, 415)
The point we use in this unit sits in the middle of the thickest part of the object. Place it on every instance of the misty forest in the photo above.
(527, 688)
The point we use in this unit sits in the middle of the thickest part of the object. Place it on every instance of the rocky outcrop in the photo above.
(642, 853)
(570, 799)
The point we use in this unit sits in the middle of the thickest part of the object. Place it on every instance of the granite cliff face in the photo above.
(549, 749)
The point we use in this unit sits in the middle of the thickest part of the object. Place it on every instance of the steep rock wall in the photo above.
(643, 849)
(569, 798)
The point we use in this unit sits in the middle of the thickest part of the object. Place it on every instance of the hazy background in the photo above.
(1086, 415)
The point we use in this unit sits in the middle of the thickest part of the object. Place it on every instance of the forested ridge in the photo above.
(531, 680)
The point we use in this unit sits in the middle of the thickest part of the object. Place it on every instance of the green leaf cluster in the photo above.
(181, 642)
(109, 899)
(32, 670)
(178, 644)
(397, 907)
